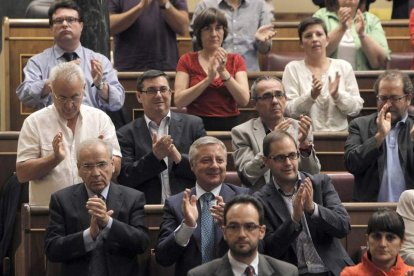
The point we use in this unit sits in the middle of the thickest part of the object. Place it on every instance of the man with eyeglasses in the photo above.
(379, 151)
(190, 233)
(304, 216)
(269, 98)
(102, 88)
(155, 146)
(243, 228)
(46, 150)
(96, 227)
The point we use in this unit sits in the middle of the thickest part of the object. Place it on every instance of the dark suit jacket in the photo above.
(268, 266)
(366, 162)
(141, 169)
(127, 237)
(168, 252)
(326, 230)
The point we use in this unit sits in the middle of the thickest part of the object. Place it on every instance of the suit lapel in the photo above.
(264, 266)
(143, 135)
(259, 134)
(197, 231)
(224, 268)
(79, 199)
(175, 128)
(276, 201)
(114, 200)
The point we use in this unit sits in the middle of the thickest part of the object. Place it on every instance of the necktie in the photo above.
(249, 271)
(70, 56)
(207, 229)
(97, 265)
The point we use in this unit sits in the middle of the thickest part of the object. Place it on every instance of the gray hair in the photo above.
(205, 140)
(67, 71)
(92, 142)
(253, 89)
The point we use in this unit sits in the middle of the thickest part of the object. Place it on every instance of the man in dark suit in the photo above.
(96, 227)
(188, 235)
(379, 150)
(304, 216)
(243, 229)
(154, 147)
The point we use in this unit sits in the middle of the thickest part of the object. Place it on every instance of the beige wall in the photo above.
(302, 6)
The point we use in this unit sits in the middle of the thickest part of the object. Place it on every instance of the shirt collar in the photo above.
(59, 51)
(296, 185)
(148, 120)
(104, 192)
(402, 121)
(239, 267)
(242, 3)
(200, 191)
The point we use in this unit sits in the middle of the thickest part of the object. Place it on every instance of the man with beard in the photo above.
(379, 149)
(243, 229)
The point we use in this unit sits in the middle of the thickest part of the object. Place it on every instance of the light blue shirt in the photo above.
(393, 182)
(37, 71)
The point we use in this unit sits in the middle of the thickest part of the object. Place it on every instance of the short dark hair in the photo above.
(386, 220)
(205, 18)
(275, 136)
(63, 5)
(333, 5)
(309, 21)
(253, 91)
(150, 74)
(244, 199)
(395, 75)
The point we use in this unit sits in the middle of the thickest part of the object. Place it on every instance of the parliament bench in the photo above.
(35, 219)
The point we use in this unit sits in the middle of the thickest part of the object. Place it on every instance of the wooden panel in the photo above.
(8, 149)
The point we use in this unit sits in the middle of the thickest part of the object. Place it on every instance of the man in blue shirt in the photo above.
(102, 90)
(379, 149)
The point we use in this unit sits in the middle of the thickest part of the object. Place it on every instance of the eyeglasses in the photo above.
(393, 98)
(70, 20)
(64, 100)
(248, 227)
(282, 158)
(268, 96)
(89, 167)
(154, 90)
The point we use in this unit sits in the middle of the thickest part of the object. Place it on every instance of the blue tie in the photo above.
(207, 229)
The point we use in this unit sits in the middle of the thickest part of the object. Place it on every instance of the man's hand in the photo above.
(97, 208)
(305, 124)
(217, 211)
(265, 33)
(316, 87)
(309, 205)
(161, 147)
(189, 208)
(334, 85)
(174, 154)
(94, 227)
(412, 133)
(297, 204)
(283, 125)
(383, 123)
(58, 147)
(97, 71)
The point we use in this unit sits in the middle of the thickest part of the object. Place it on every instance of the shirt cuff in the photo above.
(88, 240)
(105, 231)
(183, 234)
(315, 211)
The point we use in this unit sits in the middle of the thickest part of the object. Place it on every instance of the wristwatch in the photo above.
(166, 6)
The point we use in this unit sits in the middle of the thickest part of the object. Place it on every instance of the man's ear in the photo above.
(138, 96)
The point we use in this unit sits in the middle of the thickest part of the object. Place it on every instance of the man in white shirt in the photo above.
(46, 152)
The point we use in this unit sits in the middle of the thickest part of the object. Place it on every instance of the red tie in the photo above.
(249, 271)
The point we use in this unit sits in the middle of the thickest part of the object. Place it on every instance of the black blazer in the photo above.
(366, 161)
(326, 230)
(168, 252)
(140, 168)
(69, 217)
